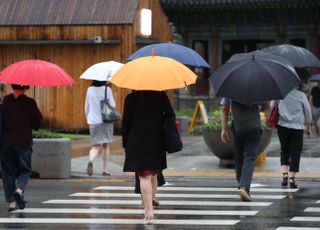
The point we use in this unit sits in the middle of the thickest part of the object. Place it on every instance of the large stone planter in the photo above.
(225, 152)
(51, 158)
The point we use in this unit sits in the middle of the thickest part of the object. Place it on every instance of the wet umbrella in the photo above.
(177, 52)
(315, 78)
(254, 77)
(298, 56)
(35, 73)
(102, 71)
(153, 73)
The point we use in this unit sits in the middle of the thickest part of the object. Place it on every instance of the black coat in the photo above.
(142, 130)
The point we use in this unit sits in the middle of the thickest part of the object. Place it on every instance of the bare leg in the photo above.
(284, 168)
(105, 156)
(146, 192)
(94, 151)
(154, 182)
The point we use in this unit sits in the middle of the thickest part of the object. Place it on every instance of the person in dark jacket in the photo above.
(20, 116)
(143, 140)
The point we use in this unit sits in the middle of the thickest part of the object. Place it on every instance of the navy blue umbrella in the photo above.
(298, 56)
(315, 77)
(254, 77)
(177, 52)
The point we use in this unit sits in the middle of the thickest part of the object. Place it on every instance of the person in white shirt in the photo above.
(294, 114)
(101, 133)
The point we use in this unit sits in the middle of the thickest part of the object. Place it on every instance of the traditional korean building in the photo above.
(76, 34)
(218, 29)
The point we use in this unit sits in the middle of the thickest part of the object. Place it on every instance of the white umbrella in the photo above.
(102, 71)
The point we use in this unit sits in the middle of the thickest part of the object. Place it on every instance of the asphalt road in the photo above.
(186, 203)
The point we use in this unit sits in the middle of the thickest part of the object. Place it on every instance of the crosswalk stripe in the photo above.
(312, 209)
(203, 189)
(318, 202)
(167, 195)
(164, 202)
(306, 218)
(297, 228)
(136, 211)
(115, 221)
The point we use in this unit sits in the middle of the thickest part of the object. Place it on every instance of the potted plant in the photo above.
(225, 152)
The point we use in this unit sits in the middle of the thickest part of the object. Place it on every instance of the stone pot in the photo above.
(51, 158)
(225, 152)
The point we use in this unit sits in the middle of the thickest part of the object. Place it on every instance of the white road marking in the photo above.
(164, 202)
(306, 218)
(114, 221)
(312, 209)
(167, 195)
(297, 228)
(137, 211)
(203, 189)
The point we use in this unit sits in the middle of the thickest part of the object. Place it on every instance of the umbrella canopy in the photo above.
(102, 71)
(35, 73)
(298, 56)
(153, 73)
(254, 77)
(315, 77)
(177, 52)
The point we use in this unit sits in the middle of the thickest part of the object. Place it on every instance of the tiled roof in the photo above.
(67, 12)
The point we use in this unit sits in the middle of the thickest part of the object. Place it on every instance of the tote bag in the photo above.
(272, 120)
(108, 114)
(173, 140)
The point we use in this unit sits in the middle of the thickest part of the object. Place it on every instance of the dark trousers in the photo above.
(291, 141)
(247, 150)
(16, 169)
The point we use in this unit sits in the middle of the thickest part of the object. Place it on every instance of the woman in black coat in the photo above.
(143, 140)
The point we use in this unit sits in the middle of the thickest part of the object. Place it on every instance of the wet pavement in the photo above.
(199, 194)
(186, 203)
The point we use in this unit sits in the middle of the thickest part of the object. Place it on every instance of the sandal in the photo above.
(284, 179)
(148, 219)
(292, 182)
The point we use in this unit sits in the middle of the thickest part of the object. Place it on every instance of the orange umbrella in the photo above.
(153, 73)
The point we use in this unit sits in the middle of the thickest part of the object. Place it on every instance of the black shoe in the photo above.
(21, 202)
(155, 203)
(284, 179)
(105, 173)
(90, 169)
(244, 194)
(292, 183)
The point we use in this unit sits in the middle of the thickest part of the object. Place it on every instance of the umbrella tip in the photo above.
(152, 52)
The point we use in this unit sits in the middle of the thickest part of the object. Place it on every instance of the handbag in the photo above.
(173, 140)
(273, 118)
(108, 113)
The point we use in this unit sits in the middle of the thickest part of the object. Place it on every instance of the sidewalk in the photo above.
(197, 160)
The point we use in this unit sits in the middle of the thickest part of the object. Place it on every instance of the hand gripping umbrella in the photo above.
(298, 56)
(35, 73)
(177, 52)
(254, 77)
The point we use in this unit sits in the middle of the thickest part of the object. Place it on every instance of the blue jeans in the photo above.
(16, 169)
(247, 146)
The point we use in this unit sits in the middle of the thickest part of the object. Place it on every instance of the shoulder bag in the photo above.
(108, 113)
(173, 140)
(273, 118)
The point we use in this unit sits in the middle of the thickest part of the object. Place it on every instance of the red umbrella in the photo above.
(35, 73)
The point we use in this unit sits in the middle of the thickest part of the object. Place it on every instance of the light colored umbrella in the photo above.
(154, 73)
(102, 71)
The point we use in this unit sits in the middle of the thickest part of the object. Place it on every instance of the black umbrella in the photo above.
(298, 56)
(254, 77)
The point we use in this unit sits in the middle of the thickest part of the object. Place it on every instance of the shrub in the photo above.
(43, 133)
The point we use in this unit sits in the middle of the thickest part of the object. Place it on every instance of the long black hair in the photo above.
(98, 83)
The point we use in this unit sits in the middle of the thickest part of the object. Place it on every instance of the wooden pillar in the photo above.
(214, 50)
